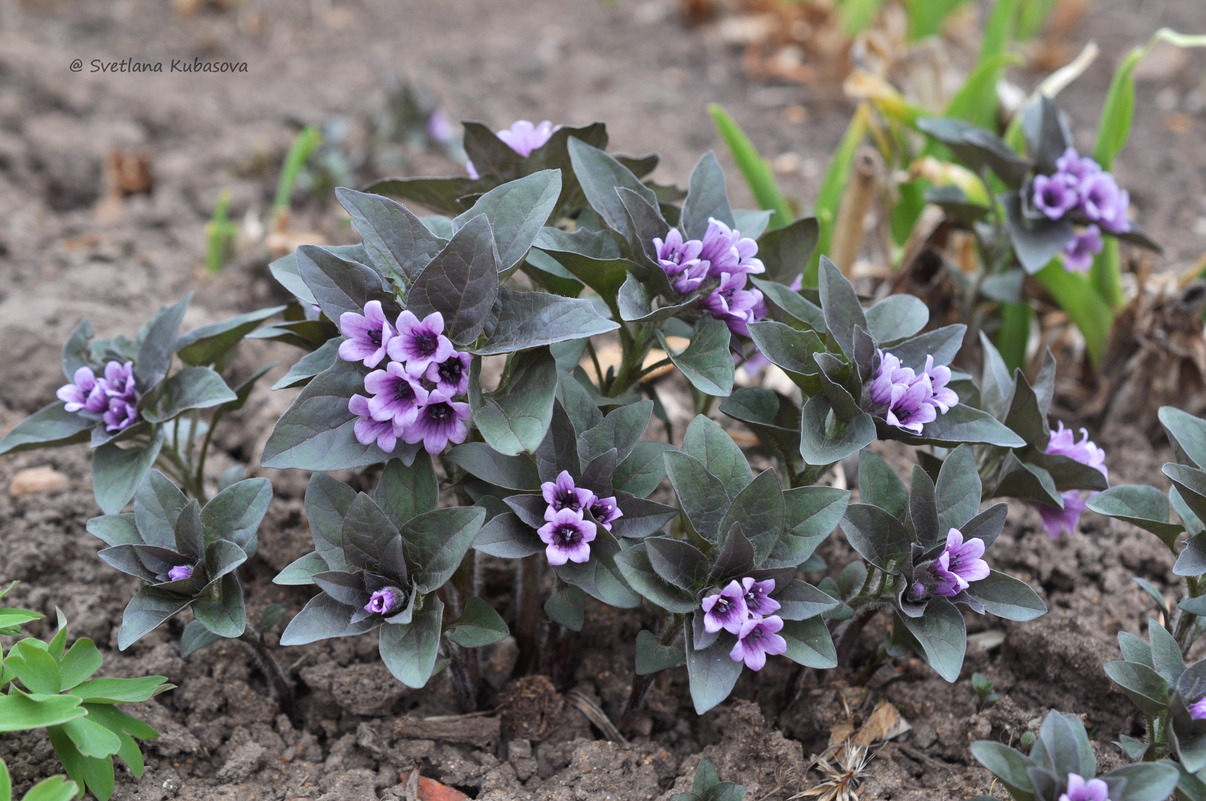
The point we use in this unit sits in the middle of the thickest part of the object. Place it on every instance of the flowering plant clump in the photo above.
(1061, 767)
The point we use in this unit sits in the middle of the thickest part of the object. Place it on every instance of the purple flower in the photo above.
(368, 430)
(397, 395)
(680, 260)
(757, 596)
(1063, 442)
(1197, 710)
(959, 565)
(180, 572)
(725, 610)
(367, 335)
(419, 343)
(119, 381)
(567, 535)
(1055, 195)
(84, 393)
(909, 400)
(439, 127)
(726, 251)
(440, 420)
(735, 305)
(1101, 201)
(1080, 789)
(1077, 166)
(562, 494)
(523, 137)
(605, 510)
(1081, 248)
(120, 415)
(451, 376)
(913, 409)
(382, 602)
(757, 638)
(1065, 520)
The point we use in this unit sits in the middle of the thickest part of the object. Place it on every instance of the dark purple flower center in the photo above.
(1053, 195)
(425, 343)
(403, 391)
(753, 600)
(722, 607)
(451, 371)
(565, 499)
(439, 412)
(755, 633)
(374, 335)
(567, 535)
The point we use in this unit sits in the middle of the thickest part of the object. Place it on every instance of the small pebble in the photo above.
(37, 481)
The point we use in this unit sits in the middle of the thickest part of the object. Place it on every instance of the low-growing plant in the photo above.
(48, 685)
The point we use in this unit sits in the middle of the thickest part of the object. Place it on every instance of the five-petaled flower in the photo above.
(725, 609)
(420, 343)
(367, 335)
(758, 637)
(958, 565)
(568, 536)
(563, 494)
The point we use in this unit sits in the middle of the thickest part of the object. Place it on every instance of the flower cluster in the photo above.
(523, 137)
(724, 259)
(113, 395)
(952, 572)
(413, 396)
(907, 399)
(744, 608)
(1080, 789)
(567, 532)
(1063, 443)
(1080, 187)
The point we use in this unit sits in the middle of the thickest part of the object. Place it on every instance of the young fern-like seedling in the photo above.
(48, 685)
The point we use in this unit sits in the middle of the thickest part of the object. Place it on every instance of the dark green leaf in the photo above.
(1143, 506)
(824, 439)
(706, 362)
(566, 607)
(957, 490)
(653, 657)
(634, 563)
(621, 429)
(941, 635)
(209, 343)
(600, 175)
(706, 197)
(461, 282)
(963, 424)
(879, 537)
(515, 417)
(302, 570)
(792, 303)
(678, 562)
(715, 449)
(316, 431)
(897, 317)
(367, 533)
(517, 211)
(235, 513)
(147, 609)
(118, 472)
(1008, 597)
(878, 484)
(410, 651)
(702, 495)
(338, 285)
(799, 601)
(531, 319)
(477, 625)
(642, 472)
(641, 517)
(711, 672)
(309, 365)
(1186, 433)
(1149, 781)
(784, 251)
(157, 505)
(77, 350)
(787, 347)
(437, 541)
(509, 472)
(50, 426)
(327, 503)
(158, 344)
(1007, 765)
(225, 616)
(322, 618)
(759, 511)
(406, 491)
(1035, 241)
(1143, 685)
(397, 242)
(843, 311)
(809, 643)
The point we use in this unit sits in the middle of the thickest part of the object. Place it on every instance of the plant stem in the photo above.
(635, 349)
(853, 629)
(641, 684)
(278, 683)
(1187, 623)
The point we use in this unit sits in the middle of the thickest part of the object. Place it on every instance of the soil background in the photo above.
(72, 247)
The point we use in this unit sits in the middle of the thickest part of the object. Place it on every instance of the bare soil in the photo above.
(73, 246)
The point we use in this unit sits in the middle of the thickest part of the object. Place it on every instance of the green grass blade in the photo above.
(754, 168)
(830, 196)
